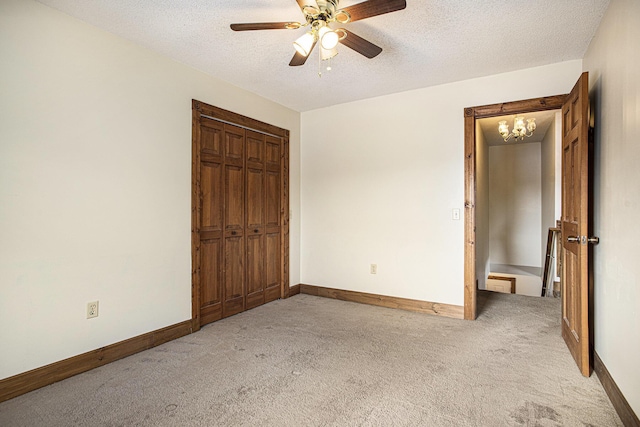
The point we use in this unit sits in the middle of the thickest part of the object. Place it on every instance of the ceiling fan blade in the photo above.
(360, 45)
(265, 26)
(299, 59)
(370, 8)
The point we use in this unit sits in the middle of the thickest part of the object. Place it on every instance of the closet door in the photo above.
(255, 218)
(234, 209)
(239, 213)
(273, 226)
(211, 219)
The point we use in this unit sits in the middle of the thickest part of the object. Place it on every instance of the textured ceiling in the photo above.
(429, 43)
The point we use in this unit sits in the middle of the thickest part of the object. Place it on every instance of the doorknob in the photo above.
(593, 240)
(573, 239)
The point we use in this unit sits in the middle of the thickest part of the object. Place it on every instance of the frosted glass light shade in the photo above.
(327, 53)
(328, 38)
(304, 44)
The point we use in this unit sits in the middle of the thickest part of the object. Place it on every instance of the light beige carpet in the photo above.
(309, 361)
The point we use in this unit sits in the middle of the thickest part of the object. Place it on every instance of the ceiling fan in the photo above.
(319, 15)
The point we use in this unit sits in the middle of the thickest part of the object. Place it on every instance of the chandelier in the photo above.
(519, 128)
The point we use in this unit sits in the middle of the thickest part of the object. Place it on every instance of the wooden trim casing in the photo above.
(619, 402)
(195, 219)
(470, 215)
(36, 378)
(439, 309)
(471, 114)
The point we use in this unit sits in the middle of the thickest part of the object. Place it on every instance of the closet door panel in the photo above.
(273, 199)
(272, 266)
(211, 220)
(233, 276)
(234, 217)
(211, 137)
(234, 198)
(255, 218)
(255, 200)
(211, 188)
(211, 280)
(273, 152)
(255, 148)
(234, 144)
(255, 271)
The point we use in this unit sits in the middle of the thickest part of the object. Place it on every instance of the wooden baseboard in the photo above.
(622, 407)
(294, 290)
(58, 371)
(447, 310)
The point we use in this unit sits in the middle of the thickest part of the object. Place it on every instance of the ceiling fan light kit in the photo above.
(319, 15)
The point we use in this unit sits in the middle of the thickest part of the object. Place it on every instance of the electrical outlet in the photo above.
(92, 309)
(374, 268)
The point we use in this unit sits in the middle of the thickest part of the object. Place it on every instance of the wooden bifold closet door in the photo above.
(239, 234)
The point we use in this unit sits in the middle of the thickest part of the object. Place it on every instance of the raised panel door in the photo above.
(255, 218)
(234, 218)
(576, 193)
(210, 221)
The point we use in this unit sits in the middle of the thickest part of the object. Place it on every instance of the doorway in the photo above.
(471, 117)
(518, 199)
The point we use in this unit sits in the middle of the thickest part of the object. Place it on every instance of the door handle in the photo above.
(593, 240)
(573, 239)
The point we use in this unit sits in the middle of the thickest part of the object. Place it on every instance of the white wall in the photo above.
(482, 208)
(95, 179)
(548, 189)
(613, 62)
(515, 204)
(379, 178)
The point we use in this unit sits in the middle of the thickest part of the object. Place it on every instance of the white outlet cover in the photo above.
(92, 309)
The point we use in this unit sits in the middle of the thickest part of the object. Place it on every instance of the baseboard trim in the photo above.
(31, 380)
(439, 309)
(622, 407)
(294, 290)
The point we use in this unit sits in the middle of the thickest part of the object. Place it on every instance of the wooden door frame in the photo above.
(200, 109)
(471, 114)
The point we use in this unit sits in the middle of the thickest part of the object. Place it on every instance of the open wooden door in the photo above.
(575, 223)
